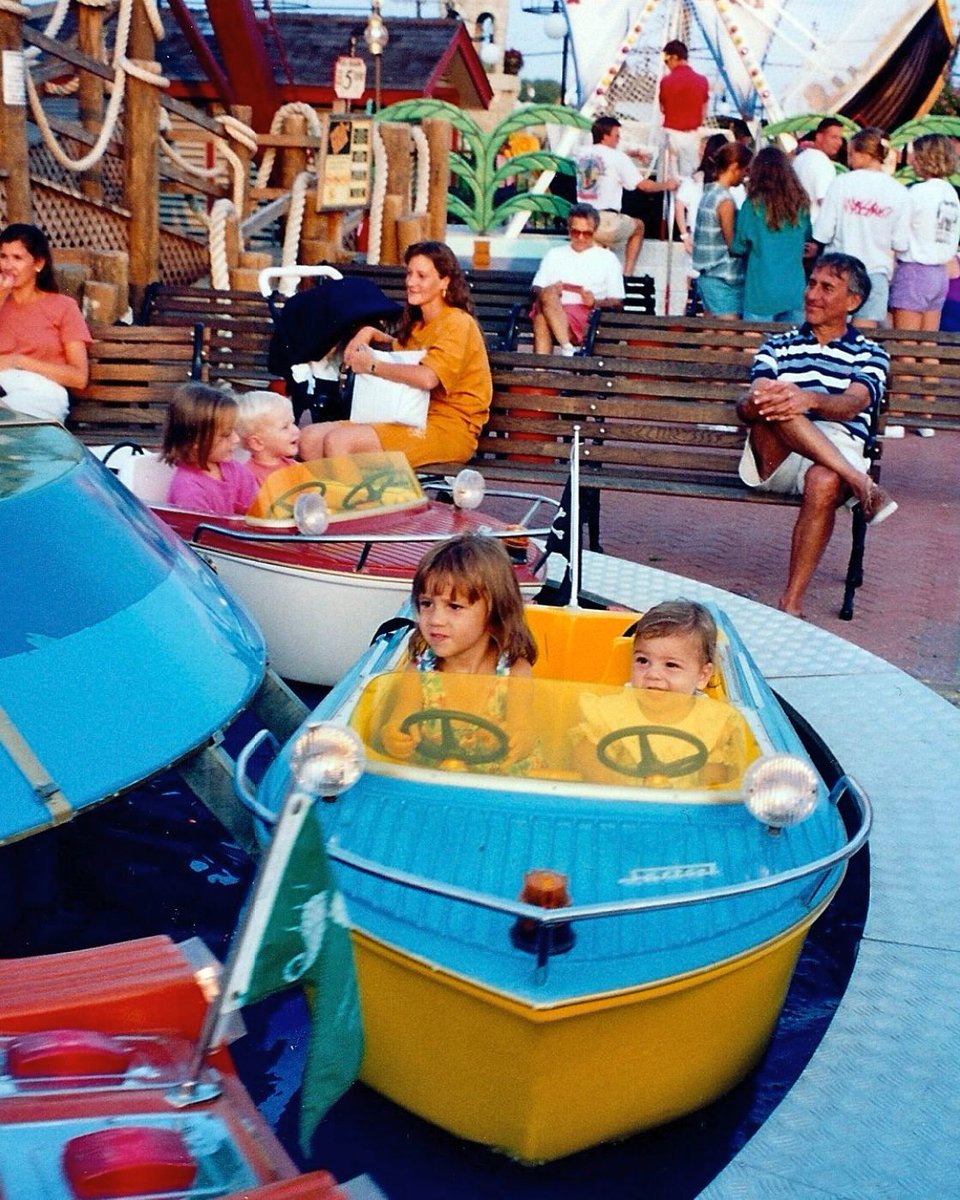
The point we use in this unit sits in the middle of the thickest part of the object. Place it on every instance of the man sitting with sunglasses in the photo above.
(571, 282)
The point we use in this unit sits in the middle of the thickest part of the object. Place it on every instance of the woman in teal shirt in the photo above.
(773, 230)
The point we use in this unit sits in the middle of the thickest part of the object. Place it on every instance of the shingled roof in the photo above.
(423, 58)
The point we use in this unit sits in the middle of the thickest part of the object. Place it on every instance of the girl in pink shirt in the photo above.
(199, 440)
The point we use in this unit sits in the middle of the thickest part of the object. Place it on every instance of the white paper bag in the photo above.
(377, 400)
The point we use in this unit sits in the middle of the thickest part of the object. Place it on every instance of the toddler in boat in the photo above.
(470, 622)
(674, 649)
(199, 439)
(267, 431)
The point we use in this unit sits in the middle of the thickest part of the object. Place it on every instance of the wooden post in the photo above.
(91, 91)
(141, 180)
(243, 112)
(292, 159)
(393, 208)
(411, 227)
(396, 141)
(14, 162)
(438, 134)
(141, 159)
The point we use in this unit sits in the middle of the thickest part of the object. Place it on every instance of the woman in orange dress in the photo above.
(454, 369)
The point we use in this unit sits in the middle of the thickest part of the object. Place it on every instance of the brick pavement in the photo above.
(907, 612)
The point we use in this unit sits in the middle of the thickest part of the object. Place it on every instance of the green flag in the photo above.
(296, 932)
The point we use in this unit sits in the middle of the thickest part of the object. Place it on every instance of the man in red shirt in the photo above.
(683, 103)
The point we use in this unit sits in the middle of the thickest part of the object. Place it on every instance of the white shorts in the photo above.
(788, 478)
(33, 395)
(684, 149)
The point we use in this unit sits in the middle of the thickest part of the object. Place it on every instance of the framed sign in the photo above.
(349, 77)
(346, 159)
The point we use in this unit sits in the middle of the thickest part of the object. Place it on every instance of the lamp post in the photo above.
(376, 37)
(555, 27)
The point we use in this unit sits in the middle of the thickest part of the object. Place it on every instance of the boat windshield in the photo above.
(353, 485)
(553, 730)
(31, 456)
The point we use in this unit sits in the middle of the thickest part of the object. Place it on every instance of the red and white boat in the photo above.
(96, 1049)
(329, 549)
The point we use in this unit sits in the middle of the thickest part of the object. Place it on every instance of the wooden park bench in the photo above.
(662, 420)
(922, 364)
(238, 327)
(133, 372)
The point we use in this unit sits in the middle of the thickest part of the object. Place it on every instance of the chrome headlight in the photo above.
(311, 514)
(468, 489)
(780, 790)
(327, 759)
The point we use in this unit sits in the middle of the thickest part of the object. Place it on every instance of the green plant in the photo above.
(478, 171)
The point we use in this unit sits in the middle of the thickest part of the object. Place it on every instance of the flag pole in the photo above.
(246, 941)
(575, 518)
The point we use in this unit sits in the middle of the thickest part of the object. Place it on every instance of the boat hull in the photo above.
(541, 1083)
(315, 623)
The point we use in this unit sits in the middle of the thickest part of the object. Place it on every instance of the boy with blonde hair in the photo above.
(268, 431)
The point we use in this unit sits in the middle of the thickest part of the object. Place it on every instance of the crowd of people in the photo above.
(767, 236)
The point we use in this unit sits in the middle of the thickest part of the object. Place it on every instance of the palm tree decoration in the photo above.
(480, 173)
(900, 137)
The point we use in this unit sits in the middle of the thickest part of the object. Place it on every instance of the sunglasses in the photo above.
(582, 233)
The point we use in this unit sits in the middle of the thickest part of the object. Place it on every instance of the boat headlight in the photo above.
(468, 489)
(780, 790)
(327, 759)
(311, 514)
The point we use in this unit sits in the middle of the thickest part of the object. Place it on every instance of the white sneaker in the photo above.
(925, 431)
(567, 350)
(894, 431)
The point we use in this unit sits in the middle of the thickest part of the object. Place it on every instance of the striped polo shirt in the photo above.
(797, 357)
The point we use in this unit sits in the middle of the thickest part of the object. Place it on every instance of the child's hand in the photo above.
(397, 744)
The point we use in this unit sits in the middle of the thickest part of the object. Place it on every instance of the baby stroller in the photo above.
(310, 330)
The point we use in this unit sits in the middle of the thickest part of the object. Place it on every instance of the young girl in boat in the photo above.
(199, 439)
(470, 622)
(674, 650)
(268, 431)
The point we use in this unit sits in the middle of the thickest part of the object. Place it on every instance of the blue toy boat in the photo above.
(120, 653)
(562, 935)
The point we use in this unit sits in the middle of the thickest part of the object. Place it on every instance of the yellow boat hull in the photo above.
(541, 1083)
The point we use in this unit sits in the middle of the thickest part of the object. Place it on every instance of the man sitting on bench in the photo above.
(571, 282)
(808, 412)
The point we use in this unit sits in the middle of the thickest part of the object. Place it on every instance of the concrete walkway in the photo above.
(907, 612)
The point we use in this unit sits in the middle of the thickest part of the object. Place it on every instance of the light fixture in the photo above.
(556, 26)
(490, 53)
(311, 514)
(780, 790)
(376, 37)
(326, 759)
(468, 489)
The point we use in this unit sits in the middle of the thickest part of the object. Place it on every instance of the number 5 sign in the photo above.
(349, 77)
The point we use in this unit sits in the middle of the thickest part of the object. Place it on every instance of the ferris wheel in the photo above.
(765, 58)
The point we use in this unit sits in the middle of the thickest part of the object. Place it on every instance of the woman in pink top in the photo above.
(43, 336)
(199, 440)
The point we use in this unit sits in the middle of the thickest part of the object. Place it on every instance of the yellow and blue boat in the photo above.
(564, 937)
